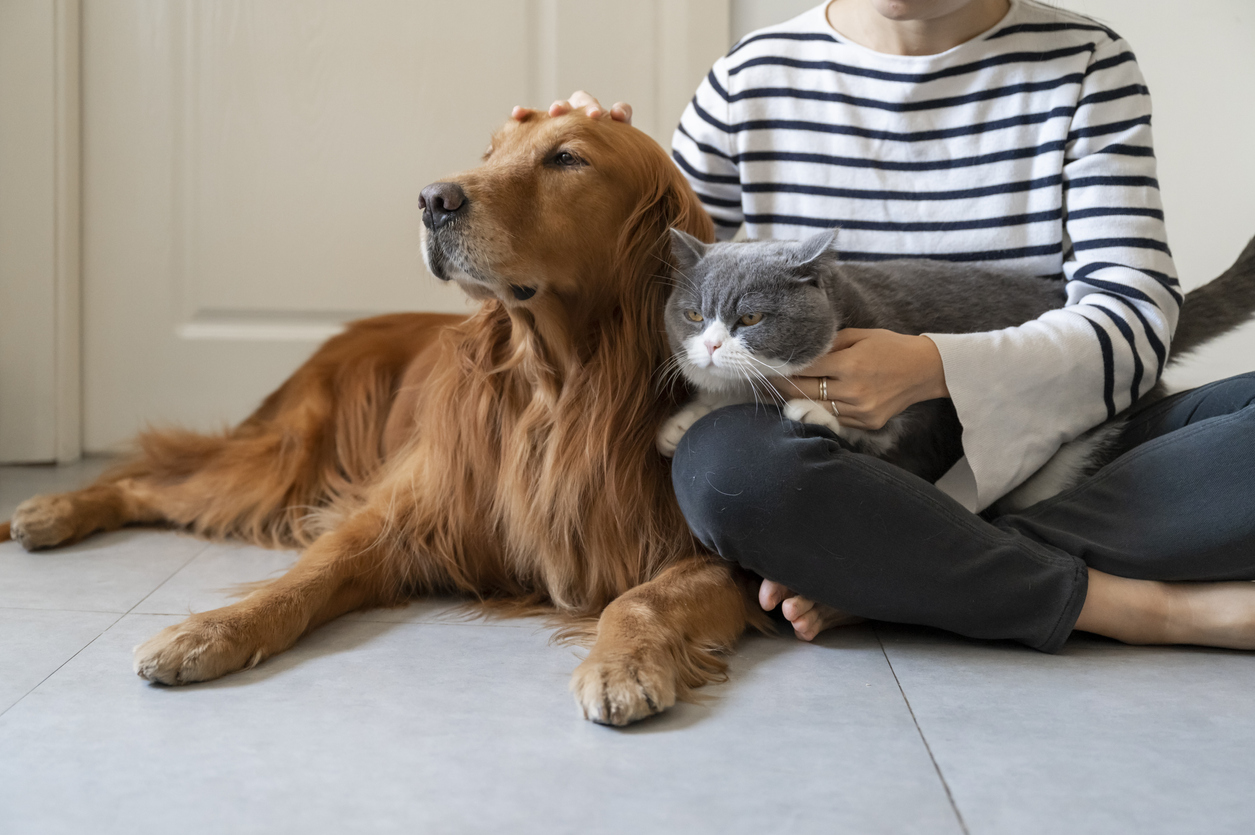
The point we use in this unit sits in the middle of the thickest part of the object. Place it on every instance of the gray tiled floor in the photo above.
(417, 720)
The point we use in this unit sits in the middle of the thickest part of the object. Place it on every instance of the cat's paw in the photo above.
(674, 427)
(812, 412)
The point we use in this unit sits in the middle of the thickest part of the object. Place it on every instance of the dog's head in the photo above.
(565, 212)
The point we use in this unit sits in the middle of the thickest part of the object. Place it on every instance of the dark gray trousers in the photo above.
(791, 503)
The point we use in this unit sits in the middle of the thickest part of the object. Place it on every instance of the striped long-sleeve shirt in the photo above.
(1027, 148)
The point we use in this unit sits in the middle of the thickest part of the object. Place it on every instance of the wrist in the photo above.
(933, 378)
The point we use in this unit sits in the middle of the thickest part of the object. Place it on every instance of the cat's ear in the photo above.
(686, 250)
(816, 247)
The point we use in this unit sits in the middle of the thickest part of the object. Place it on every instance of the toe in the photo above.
(797, 606)
(770, 594)
(808, 626)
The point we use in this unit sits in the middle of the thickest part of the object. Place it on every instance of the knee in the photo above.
(1229, 395)
(734, 471)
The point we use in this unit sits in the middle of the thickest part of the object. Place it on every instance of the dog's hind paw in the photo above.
(622, 691)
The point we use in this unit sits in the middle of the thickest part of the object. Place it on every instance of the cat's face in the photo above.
(740, 312)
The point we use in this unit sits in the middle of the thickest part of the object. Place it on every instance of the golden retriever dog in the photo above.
(508, 457)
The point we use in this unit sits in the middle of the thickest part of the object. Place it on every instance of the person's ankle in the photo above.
(1180, 622)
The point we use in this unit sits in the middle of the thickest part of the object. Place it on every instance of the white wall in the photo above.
(1199, 62)
(748, 15)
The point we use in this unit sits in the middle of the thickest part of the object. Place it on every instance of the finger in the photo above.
(592, 107)
(848, 336)
(583, 98)
(560, 108)
(856, 423)
(811, 388)
(797, 606)
(770, 594)
(792, 387)
(621, 111)
(520, 114)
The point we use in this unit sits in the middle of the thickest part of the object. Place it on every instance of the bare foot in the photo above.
(808, 617)
(1149, 612)
(1212, 614)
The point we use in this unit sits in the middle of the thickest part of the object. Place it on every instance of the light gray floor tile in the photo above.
(216, 577)
(19, 483)
(104, 573)
(34, 643)
(438, 728)
(1101, 738)
(219, 575)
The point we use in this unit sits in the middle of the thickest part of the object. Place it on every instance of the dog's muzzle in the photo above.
(442, 203)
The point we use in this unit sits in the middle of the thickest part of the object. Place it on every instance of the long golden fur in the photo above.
(507, 456)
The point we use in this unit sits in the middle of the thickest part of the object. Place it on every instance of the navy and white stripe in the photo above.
(1027, 148)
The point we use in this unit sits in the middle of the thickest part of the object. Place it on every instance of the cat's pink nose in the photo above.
(712, 346)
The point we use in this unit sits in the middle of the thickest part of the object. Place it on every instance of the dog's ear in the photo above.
(816, 246)
(686, 250)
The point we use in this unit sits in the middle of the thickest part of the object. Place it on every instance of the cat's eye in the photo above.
(751, 319)
(694, 316)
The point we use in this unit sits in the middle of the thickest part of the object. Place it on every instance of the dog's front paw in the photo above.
(619, 691)
(43, 522)
(201, 648)
(812, 412)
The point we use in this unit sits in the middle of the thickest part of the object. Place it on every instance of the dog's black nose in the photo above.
(441, 203)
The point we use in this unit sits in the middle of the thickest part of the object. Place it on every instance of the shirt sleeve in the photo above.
(703, 147)
(1023, 392)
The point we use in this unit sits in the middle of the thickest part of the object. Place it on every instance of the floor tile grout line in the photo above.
(115, 622)
(949, 795)
(157, 587)
(62, 665)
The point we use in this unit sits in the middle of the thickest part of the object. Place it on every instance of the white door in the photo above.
(251, 169)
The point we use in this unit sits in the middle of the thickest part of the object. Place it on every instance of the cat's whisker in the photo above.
(768, 388)
(669, 372)
(783, 399)
(766, 364)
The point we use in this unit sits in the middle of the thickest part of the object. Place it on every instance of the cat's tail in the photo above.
(1218, 306)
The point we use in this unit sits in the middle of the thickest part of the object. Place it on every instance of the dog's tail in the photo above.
(1218, 306)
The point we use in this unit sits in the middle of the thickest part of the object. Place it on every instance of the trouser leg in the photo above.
(789, 502)
(1179, 505)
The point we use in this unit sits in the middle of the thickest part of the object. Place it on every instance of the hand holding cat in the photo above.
(873, 374)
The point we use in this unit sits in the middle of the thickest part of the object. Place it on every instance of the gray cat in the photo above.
(743, 312)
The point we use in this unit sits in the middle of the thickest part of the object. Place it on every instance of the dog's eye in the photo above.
(566, 159)
(751, 319)
(694, 316)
